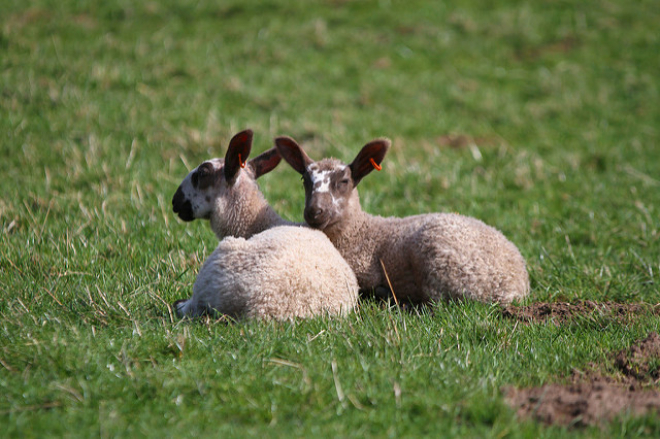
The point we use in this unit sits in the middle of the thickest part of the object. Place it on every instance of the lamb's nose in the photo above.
(313, 212)
(182, 206)
(178, 200)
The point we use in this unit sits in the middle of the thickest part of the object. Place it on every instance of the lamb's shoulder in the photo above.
(395, 235)
(218, 284)
(372, 243)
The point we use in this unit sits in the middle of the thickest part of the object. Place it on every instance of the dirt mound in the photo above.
(591, 398)
(559, 312)
(581, 404)
(641, 361)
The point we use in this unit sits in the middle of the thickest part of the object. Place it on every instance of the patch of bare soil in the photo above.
(560, 312)
(591, 398)
(641, 361)
(581, 404)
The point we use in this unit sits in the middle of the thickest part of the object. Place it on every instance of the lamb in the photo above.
(418, 258)
(264, 266)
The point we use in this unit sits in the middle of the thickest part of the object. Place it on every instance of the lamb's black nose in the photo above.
(182, 206)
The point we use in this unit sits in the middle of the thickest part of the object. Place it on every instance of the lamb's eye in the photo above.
(195, 179)
(344, 182)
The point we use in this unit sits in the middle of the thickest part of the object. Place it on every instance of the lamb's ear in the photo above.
(237, 154)
(369, 158)
(293, 154)
(265, 162)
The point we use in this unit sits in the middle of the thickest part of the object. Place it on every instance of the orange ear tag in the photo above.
(376, 166)
(240, 160)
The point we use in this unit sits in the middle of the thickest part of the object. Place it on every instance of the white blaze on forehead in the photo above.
(321, 179)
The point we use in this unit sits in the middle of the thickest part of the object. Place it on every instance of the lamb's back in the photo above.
(466, 257)
(281, 273)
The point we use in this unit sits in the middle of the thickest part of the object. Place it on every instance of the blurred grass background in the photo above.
(540, 118)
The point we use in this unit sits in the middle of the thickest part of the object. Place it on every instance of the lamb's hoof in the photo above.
(178, 307)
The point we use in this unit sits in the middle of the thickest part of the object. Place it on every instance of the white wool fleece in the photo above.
(276, 274)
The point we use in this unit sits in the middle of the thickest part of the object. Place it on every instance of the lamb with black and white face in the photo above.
(225, 191)
(196, 196)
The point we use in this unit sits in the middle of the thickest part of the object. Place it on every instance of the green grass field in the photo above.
(540, 118)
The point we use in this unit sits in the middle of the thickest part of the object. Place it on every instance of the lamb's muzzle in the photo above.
(182, 206)
(315, 216)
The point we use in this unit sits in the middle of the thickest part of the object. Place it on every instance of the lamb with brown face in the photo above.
(327, 185)
(424, 257)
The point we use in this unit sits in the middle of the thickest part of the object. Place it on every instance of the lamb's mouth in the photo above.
(182, 206)
(184, 210)
(186, 215)
(319, 223)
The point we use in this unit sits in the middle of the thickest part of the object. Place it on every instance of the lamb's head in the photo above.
(330, 185)
(211, 186)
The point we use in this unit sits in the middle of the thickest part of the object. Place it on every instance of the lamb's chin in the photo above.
(186, 215)
(317, 224)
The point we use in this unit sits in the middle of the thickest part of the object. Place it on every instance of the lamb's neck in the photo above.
(363, 242)
(350, 230)
(247, 216)
(265, 219)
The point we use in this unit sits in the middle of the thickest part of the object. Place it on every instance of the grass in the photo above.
(540, 118)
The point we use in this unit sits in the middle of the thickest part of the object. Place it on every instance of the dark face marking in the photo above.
(181, 206)
(205, 176)
(195, 197)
